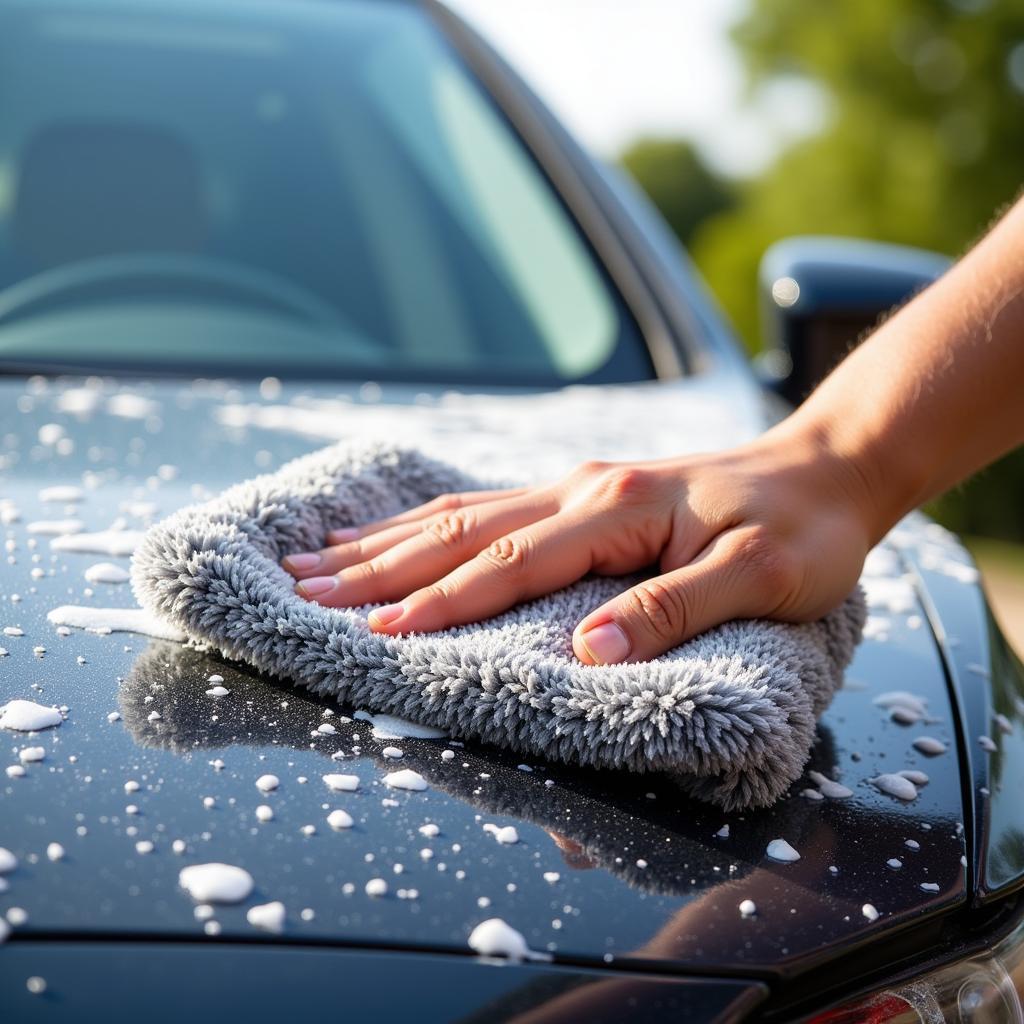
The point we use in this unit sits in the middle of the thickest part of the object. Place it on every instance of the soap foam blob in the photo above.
(114, 543)
(8, 862)
(57, 528)
(506, 836)
(895, 785)
(495, 937)
(216, 883)
(63, 493)
(114, 620)
(27, 716)
(107, 572)
(267, 783)
(342, 783)
(869, 911)
(748, 908)
(268, 916)
(29, 754)
(405, 779)
(391, 727)
(376, 887)
(930, 746)
(779, 849)
(833, 790)
(339, 820)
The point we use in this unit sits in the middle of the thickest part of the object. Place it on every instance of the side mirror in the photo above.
(820, 296)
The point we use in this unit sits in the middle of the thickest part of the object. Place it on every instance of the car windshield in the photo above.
(294, 187)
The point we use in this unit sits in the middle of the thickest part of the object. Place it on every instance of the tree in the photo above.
(681, 185)
(923, 146)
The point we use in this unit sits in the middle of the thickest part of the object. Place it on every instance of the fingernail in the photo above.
(607, 644)
(385, 614)
(317, 585)
(303, 560)
(342, 536)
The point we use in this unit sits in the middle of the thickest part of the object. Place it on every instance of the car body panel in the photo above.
(642, 872)
(175, 980)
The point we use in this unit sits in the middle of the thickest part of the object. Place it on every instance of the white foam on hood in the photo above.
(114, 543)
(27, 716)
(216, 883)
(405, 779)
(342, 783)
(268, 916)
(391, 727)
(114, 620)
(64, 493)
(56, 527)
(495, 937)
(107, 572)
(554, 430)
(779, 849)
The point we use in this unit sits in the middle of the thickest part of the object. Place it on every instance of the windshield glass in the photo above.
(297, 187)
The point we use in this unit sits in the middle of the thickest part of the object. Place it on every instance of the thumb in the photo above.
(660, 613)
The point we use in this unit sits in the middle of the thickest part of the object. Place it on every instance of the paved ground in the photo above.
(1002, 567)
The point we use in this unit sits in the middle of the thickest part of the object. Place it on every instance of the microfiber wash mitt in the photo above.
(729, 714)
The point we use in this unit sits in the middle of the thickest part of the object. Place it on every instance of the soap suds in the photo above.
(376, 887)
(268, 916)
(748, 908)
(8, 862)
(869, 911)
(779, 849)
(267, 783)
(216, 883)
(391, 727)
(114, 543)
(64, 493)
(494, 937)
(342, 783)
(833, 790)
(930, 746)
(114, 620)
(895, 785)
(56, 527)
(107, 572)
(405, 779)
(339, 820)
(27, 716)
(28, 754)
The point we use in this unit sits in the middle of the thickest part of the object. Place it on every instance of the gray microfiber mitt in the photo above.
(730, 714)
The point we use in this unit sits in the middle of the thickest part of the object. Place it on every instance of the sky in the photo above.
(614, 70)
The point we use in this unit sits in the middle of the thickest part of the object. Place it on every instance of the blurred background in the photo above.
(749, 120)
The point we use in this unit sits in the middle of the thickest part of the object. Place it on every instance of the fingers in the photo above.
(436, 548)
(442, 503)
(735, 577)
(519, 566)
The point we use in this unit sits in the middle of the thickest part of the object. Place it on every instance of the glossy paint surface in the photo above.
(607, 865)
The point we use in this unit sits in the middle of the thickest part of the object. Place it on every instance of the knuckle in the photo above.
(768, 561)
(367, 572)
(660, 608)
(453, 529)
(587, 472)
(508, 554)
(444, 503)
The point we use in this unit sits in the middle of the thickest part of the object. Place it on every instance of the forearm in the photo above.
(937, 391)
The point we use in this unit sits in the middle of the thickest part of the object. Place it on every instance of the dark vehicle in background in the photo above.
(231, 229)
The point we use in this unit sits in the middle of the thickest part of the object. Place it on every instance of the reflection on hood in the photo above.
(599, 819)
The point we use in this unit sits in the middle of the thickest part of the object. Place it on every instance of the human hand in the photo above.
(777, 529)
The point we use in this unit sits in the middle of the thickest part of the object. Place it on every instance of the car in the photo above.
(233, 231)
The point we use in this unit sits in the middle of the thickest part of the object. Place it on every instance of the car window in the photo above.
(286, 186)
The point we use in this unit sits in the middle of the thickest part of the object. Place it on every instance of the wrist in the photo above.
(880, 482)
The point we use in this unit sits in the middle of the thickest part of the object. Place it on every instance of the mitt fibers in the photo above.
(729, 714)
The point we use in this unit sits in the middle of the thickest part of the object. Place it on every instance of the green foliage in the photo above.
(686, 191)
(924, 144)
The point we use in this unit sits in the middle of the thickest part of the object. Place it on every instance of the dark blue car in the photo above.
(232, 230)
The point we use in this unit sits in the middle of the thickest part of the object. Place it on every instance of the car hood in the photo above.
(607, 865)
